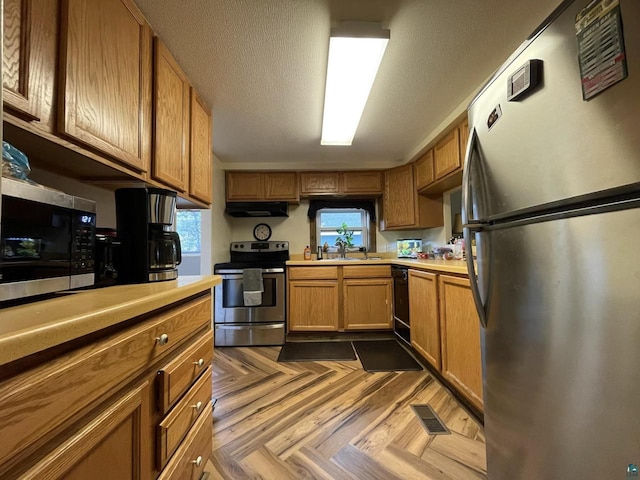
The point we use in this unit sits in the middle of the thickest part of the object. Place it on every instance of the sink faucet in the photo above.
(364, 249)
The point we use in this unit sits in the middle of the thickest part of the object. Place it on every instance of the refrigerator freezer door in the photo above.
(562, 348)
(553, 145)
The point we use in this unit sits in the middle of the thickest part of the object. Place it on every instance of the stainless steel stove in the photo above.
(237, 323)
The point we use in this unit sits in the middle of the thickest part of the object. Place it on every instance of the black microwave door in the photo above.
(35, 241)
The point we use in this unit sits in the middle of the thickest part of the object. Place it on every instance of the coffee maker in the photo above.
(150, 249)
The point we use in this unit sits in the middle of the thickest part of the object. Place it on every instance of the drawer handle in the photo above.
(162, 339)
(197, 406)
(197, 461)
(199, 363)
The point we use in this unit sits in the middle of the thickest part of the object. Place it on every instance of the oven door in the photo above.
(229, 299)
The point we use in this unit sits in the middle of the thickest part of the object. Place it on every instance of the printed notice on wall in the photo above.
(600, 46)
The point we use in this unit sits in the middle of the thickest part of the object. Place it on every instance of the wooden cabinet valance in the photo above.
(317, 184)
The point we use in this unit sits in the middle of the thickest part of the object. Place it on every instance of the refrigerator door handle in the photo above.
(471, 226)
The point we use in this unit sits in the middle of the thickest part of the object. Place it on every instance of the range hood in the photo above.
(257, 209)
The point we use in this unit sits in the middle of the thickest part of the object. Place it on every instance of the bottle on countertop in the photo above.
(319, 252)
(307, 253)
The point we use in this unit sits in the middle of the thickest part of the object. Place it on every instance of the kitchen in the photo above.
(256, 158)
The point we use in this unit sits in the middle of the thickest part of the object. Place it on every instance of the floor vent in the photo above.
(430, 420)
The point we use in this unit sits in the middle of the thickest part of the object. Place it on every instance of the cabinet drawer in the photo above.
(366, 271)
(177, 376)
(189, 460)
(313, 273)
(176, 425)
(42, 399)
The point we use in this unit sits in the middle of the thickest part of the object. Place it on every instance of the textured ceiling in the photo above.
(261, 65)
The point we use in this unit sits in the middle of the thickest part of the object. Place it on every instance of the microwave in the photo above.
(47, 241)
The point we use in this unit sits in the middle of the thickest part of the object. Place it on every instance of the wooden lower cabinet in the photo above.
(424, 315)
(99, 410)
(367, 303)
(313, 305)
(111, 446)
(332, 298)
(461, 353)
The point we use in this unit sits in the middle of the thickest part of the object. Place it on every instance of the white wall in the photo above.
(105, 200)
(219, 226)
(295, 229)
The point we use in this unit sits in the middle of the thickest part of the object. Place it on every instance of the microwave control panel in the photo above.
(83, 227)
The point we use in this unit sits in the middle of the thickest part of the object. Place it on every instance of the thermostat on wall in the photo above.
(524, 80)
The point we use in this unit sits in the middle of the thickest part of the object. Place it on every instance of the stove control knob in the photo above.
(277, 245)
(235, 246)
(242, 245)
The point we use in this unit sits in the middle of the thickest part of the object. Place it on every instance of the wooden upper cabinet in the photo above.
(319, 183)
(403, 208)
(281, 186)
(171, 120)
(201, 170)
(362, 183)
(242, 186)
(29, 59)
(446, 154)
(399, 203)
(262, 186)
(424, 170)
(460, 332)
(105, 78)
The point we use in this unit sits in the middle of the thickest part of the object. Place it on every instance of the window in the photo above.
(189, 229)
(328, 220)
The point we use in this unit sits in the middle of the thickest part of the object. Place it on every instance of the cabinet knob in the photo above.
(199, 363)
(197, 461)
(162, 339)
(197, 406)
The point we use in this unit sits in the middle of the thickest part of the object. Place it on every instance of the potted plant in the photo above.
(344, 240)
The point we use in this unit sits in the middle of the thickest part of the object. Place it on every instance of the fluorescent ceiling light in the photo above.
(353, 64)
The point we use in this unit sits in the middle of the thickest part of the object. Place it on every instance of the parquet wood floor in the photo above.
(333, 420)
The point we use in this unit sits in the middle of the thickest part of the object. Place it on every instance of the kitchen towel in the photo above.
(252, 286)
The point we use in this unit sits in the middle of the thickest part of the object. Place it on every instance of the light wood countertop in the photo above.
(444, 266)
(34, 327)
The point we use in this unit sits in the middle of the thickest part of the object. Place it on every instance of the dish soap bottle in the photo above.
(307, 253)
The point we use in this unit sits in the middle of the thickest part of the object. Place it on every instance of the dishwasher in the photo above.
(401, 322)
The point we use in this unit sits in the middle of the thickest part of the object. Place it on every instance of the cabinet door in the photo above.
(424, 315)
(461, 355)
(399, 204)
(171, 120)
(281, 186)
(313, 305)
(244, 186)
(29, 59)
(105, 75)
(201, 178)
(424, 170)
(362, 183)
(319, 183)
(367, 303)
(446, 154)
(111, 446)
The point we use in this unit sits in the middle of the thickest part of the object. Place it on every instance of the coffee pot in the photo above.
(150, 247)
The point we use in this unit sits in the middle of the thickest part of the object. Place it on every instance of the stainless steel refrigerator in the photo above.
(551, 195)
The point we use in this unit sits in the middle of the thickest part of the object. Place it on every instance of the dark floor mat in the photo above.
(384, 356)
(316, 351)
